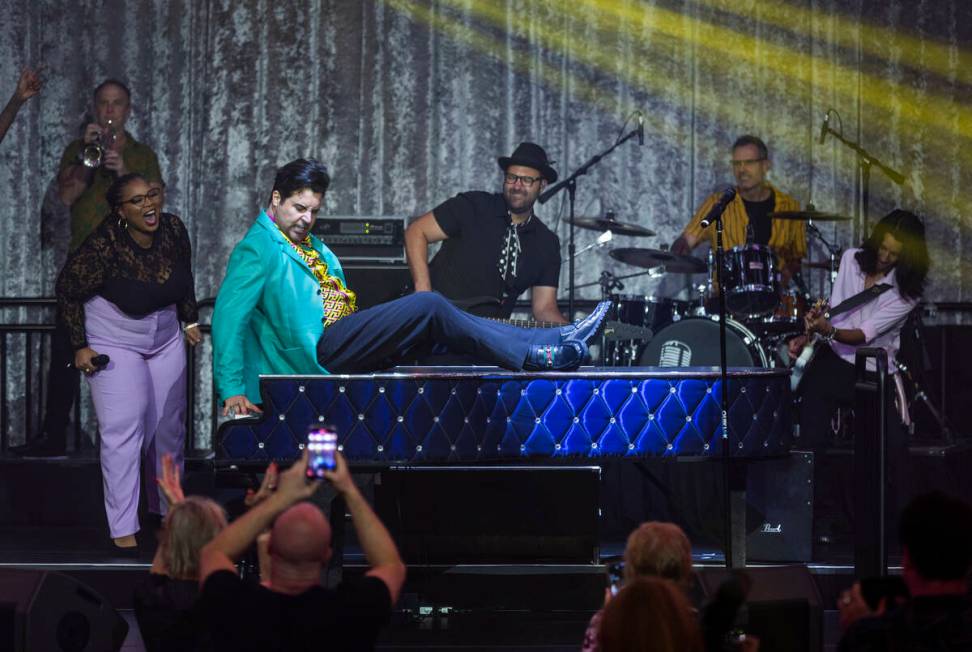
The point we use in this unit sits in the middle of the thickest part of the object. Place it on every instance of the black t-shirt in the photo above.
(759, 219)
(926, 624)
(467, 264)
(167, 615)
(244, 616)
(139, 281)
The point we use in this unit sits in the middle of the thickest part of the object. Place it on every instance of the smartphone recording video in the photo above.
(321, 445)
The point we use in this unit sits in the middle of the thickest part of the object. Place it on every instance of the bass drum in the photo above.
(694, 342)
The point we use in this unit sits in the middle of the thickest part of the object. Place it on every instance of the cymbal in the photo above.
(649, 258)
(816, 216)
(610, 224)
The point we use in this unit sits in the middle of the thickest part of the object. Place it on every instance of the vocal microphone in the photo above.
(727, 196)
(824, 128)
(641, 129)
(99, 361)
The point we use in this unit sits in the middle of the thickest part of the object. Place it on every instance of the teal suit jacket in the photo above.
(268, 312)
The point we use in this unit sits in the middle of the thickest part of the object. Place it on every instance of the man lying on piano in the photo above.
(284, 308)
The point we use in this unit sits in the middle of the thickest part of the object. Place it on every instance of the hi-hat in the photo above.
(816, 216)
(649, 258)
(608, 223)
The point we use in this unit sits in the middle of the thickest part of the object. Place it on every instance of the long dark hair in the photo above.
(911, 270)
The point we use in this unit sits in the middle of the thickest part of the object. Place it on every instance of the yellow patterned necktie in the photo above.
(338, 301)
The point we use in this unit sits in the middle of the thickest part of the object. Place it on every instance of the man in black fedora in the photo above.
(493, 246)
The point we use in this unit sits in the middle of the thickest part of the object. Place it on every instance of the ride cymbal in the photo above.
(610, 224)
(649, 258)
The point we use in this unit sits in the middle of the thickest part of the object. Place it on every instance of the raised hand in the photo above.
(170, 483)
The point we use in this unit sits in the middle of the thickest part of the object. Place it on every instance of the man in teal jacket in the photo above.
(284, 308)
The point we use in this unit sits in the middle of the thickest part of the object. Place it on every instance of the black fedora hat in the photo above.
(530, 155)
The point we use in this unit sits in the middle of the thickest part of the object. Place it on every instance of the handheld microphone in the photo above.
(99, 361)
(824, 128)
(727, 196)
(641, 129)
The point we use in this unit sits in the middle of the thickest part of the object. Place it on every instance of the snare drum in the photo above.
(751, 280)
(694, 342)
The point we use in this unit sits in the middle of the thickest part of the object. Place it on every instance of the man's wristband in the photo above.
(188, 326)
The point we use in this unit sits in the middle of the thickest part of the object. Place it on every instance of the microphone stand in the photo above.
(724, 394)
(570, 183)
(865, 160)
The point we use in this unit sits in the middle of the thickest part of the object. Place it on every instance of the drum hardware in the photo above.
(652, 258)
(618, 330)
(601, 240)
(831, 248)
(609, 223)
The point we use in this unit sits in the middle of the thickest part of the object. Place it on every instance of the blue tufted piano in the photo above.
(475, 414)
(469, 415)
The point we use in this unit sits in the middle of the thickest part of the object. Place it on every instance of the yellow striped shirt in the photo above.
(788, 238)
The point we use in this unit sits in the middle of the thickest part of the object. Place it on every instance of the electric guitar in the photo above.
(812, 346)
(809, 350)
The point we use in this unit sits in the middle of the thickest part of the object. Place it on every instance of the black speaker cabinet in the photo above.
(49, 612)
(779, 522)
(376, 283)
(491, 514)
(783, 607)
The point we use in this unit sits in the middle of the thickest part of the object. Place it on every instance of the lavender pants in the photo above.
(140, 400)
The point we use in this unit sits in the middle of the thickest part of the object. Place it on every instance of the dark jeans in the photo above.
(829, 384)
(384, 335)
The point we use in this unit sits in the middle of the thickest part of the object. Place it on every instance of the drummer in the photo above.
(746, 219)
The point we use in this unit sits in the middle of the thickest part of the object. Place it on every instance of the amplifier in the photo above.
(363, 238)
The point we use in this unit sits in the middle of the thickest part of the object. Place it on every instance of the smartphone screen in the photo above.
(615, 572)
(321, 444)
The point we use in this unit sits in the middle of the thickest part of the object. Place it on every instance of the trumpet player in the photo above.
(89, 165)
(105, 152)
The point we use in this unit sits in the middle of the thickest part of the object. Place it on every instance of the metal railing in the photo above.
(36, 334)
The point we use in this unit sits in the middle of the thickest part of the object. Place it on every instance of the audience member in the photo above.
(28, 86)
(936, 542)
(649, 613)
(293, 611)
(165, 602)
(654, 549)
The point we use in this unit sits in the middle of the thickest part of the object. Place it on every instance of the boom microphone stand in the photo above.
(724, 392)
(570, 183)
(865, 160)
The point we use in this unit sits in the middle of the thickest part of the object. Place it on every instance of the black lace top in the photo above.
(138, 280)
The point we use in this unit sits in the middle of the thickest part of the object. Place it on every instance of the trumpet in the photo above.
(93, 153)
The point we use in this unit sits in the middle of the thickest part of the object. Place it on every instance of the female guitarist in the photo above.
(896, 255)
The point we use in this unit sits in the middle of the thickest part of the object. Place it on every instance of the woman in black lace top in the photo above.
(122, 293)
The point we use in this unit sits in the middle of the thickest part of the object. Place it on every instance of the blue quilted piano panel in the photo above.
(470, 414)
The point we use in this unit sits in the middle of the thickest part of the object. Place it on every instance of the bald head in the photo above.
(300, 535)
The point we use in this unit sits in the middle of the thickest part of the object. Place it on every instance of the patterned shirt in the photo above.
(91, 207)
(337, 300)
(788, 237)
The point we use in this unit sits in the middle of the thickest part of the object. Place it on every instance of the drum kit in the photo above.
(669, 332)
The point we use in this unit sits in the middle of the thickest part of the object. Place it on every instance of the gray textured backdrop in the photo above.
(410, 102)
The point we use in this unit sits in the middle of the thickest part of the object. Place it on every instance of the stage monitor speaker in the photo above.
(483, 514)
(376, 283)
(42, 611)
(783, 609)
